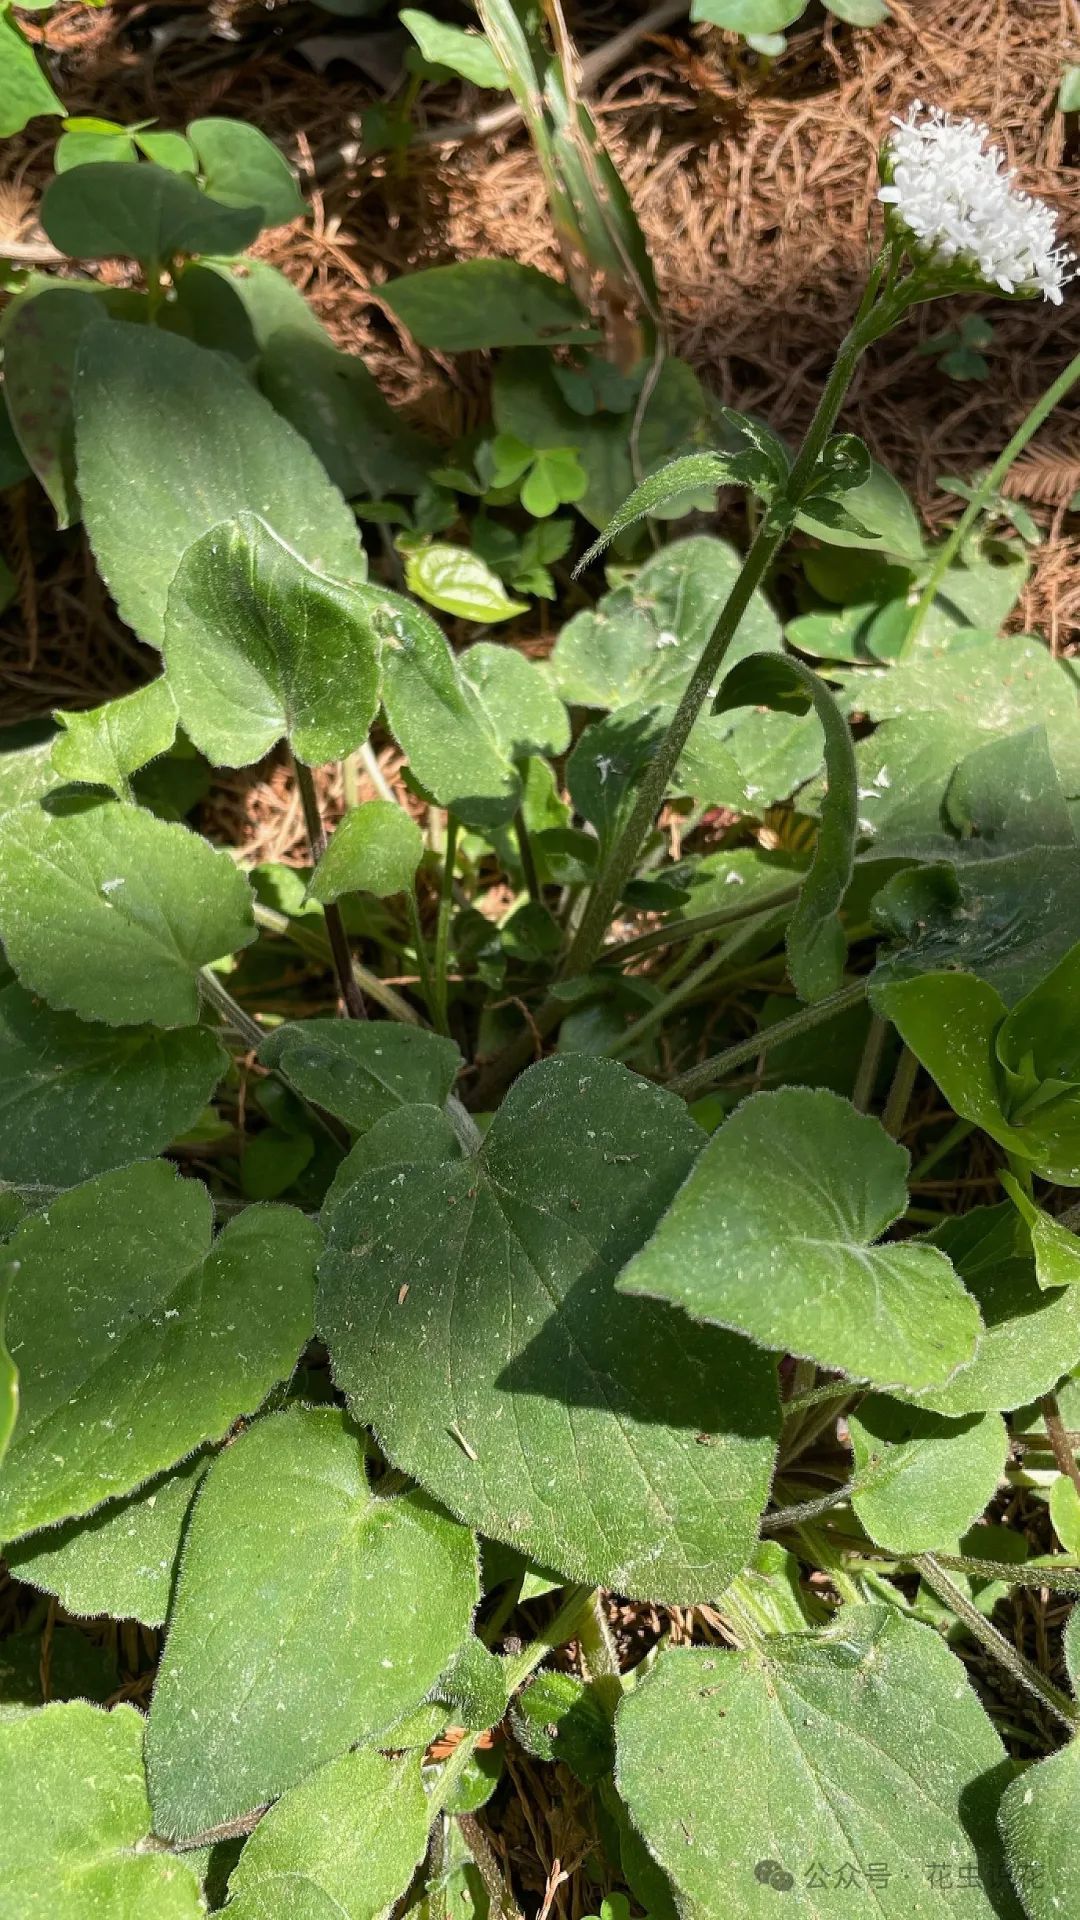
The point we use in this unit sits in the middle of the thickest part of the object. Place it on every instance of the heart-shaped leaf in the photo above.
(78, 1099)
(641, 643)
(787, 1256)
(240, 167)
(109, 913)
(469, 1310)
(77, 1821)
(863, 1748)
(147, 213)
(288, 1547)
(136, 1341)
(206, 447)
(258, 646)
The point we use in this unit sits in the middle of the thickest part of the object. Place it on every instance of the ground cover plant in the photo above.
(411, 1261)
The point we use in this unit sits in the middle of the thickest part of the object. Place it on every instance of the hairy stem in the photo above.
(335, 925)
(995, 1643)
(698, 1079)
(1060, 1445)
(442, 929)
(770, 537)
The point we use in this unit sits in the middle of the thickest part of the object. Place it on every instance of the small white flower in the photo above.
(956, 197)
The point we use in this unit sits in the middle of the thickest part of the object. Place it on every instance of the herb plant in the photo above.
(557, 1239)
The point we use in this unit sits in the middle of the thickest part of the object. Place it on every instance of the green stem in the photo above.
(423, 961)
(442, 929)
(957, 1132)
(335, 925)
(253, 1036)
(675, 931)
(995, 1643)
(528, 858)
(316, 944)
(899, 1094)
(698, 1079)
(987, 487)
(869, 1062)
(770, 537)
(675, 997)
(566, 1625)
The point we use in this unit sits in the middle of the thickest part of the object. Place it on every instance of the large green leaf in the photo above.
(119, 1559)
(104, 746)
(644, 639)
(77, 1099)
(330, 397)
(1040, 1827)
(853, 1772)
(258, 645)
(206, 447)
(136, 1340)
(469, 1310)
(361, 1072)
(342, 1844)
(816, 944)
(486, 303)
(922, 1480)
(437, 718)
(773, 1234)
(24, 90)
(289, 1549)
(103, 211)
(242, 168)
(110, 913)
(73, 1843)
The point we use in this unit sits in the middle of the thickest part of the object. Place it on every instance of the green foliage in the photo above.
(24, 90)
(150, 403)
(259, 645)
(787, 1722)
(119, 1317)
(502, 1264)
(678, 1331)
(77, 1815)
(289, 1544)
(793, 1264)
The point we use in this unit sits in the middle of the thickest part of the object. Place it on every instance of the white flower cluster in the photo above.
(956, 197)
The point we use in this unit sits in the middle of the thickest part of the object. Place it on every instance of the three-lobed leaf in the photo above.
(290, 1549)
(772, 1234)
